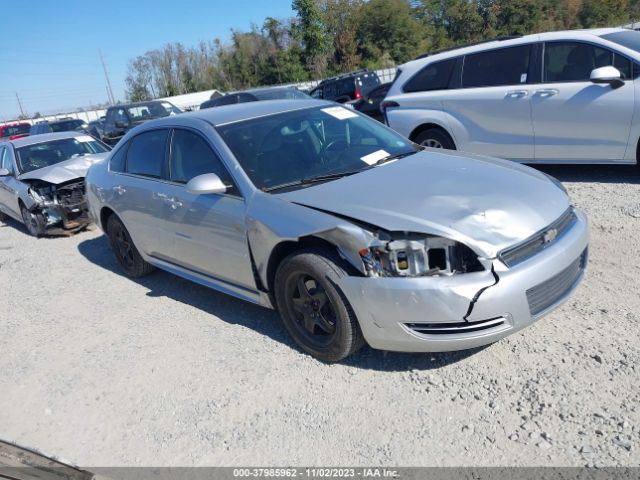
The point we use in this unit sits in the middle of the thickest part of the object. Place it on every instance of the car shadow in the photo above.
(592, 173)
(262, 320)
(11, 223)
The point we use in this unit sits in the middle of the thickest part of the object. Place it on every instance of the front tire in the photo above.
(34, 221)
(435, 138)
(125, 251)
(313, 309)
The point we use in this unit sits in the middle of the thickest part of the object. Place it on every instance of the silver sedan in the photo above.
(351, 231)
(42, 180)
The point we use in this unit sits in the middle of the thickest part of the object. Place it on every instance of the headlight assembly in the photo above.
(419, 256)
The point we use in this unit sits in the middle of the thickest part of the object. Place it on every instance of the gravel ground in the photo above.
(103, 371)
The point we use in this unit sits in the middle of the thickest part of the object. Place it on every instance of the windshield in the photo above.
(280, 149)
(67, 125)
(629, 39)
(40, 155)
(147, 111)
(286, 93)
(15, 130)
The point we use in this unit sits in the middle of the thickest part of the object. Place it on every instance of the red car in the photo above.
(13, 131)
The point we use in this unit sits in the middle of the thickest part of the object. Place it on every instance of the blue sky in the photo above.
(50, 48)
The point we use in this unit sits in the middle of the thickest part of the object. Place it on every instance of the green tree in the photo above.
(388, 26)
(310, 30)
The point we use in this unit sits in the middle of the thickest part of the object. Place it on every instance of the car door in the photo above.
(138, 191)
(574, 119)
(208, 231)
(8, 184)
(115, 125)
(490, 113)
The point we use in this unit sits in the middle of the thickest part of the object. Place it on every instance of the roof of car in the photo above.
(240, 111)
(134, 104)
(45, 137)
(514, 40)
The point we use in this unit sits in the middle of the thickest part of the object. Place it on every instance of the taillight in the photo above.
(358, 94)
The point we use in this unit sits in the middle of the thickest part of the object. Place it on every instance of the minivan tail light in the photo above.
(358, 94)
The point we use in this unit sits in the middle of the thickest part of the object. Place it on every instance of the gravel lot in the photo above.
(102, 370)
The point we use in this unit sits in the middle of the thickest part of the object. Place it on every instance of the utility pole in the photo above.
(106, 75)
(20, 105)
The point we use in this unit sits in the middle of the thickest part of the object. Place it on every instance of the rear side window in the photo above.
(117, 162)
(191, 156)
(435, 76)
(5, 160)
(146, 153)
(506, 66)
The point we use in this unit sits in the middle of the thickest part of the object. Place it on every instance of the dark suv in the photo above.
(65, 125)
(350, 86)
(122, 118)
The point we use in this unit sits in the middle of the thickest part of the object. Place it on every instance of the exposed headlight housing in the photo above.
(414, 255)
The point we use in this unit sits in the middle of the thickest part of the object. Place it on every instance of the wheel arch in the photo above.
(287, 247)
(105, 213)
(429, 126)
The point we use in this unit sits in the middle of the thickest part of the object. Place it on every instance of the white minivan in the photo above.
(561, 97)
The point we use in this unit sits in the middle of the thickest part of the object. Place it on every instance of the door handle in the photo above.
(119, 189)
(547, 92)
(173, 203)
(160, 196)
(517, 93)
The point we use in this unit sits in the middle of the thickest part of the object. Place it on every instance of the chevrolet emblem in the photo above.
(550, 235)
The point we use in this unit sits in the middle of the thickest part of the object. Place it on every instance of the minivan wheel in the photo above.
(34, 221)
(313, 309)
(125, 251)
(435, 138)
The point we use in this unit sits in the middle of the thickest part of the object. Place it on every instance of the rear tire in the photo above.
(314, 310)
(33, 221)
(435, 138)
(125, 251)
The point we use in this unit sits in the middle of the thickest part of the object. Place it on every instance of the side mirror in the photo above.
(608, 74)
(206, 183)
(4, 172)
(120, 124)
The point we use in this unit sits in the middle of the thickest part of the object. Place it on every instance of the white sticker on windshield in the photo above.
(85, 139)
(340, 113)
(374, 157)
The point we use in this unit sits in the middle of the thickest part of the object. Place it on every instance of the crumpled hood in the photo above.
(488, 204)
(64, 171)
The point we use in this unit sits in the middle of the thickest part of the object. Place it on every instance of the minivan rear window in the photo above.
(505, 66)
(432, 77)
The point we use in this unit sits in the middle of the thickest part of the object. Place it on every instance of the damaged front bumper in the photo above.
(431, 314)
(60, 209)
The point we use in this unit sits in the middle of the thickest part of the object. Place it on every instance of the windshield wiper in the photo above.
(394, 156)
(311, 180)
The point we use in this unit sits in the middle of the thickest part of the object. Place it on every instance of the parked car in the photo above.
(347, 228)
(64, 125)
(370, 103)
(42, 180)
(346, 87)
(561, 97)
(255, 95)
(13, 131)
(120, 119)
(96, 128)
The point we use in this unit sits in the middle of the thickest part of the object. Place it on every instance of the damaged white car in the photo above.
(351, 231)
(42, 180)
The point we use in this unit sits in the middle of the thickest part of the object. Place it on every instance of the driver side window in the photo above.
(191, 156)
(574, 61)
(6, 161)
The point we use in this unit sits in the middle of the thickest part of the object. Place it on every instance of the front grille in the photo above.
(551, 291)
(453, 328)
(539, 241)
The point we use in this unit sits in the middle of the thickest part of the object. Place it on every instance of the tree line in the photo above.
(327, 37)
